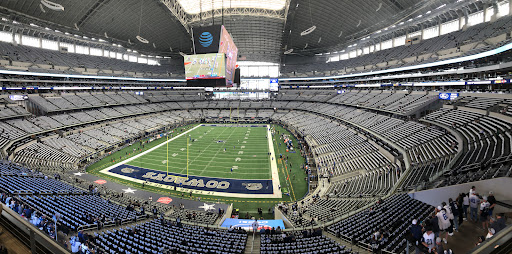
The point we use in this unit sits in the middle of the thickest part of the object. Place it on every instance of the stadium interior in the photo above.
(245, 126)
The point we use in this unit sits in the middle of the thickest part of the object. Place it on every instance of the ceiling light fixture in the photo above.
(52, 6)
(42, 8)
(288, 52)
(308, 31)
(380, 6)
(313, 27)
(140, 38)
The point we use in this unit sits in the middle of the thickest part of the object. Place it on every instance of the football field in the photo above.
(218, 151)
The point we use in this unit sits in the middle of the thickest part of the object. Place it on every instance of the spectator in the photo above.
(465, 203)
(433, 223)
(444, 223)
(474, 202)
(439, 246)
(499, 223)
(492, 202)
(472, 191)
(428, 239)
(416, 235)
(480, 240)
(490, 233)
(449, 213)
(455, 212)
(484, 213)
(255, 225)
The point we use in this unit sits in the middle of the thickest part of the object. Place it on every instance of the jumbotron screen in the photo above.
(205, 66)
(228, 47)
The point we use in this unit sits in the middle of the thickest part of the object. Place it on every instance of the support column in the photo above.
(485, 11)
(32, 242)
(496, 14)
(439, 24)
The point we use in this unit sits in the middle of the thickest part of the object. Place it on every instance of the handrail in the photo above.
(491, 244)
(28, 228)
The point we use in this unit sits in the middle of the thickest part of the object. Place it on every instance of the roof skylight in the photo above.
(197, 6)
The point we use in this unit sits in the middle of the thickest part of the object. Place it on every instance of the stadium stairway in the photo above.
(354, 248)
(111, 228)
(254, 246)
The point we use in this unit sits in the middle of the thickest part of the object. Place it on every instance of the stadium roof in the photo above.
(198, 6)
(262, 29)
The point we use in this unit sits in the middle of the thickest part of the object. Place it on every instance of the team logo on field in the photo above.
(127, 170)
(253, 186)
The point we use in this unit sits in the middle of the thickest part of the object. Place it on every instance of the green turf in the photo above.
(212, 152)
(295, 178)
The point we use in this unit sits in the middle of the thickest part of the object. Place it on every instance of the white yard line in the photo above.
(200, 153)
(107, 170)
(215, 156)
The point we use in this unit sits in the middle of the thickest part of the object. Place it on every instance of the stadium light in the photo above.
(52, 6)
(288, 52)
(308, 31)
(141, 39)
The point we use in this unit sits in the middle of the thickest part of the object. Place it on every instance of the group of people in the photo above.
(296, 212)
(431, 235)
(80, 244)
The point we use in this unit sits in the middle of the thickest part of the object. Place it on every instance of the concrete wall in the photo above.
(502, 188)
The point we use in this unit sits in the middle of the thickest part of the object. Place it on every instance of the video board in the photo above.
(228, 47)
(205, 66)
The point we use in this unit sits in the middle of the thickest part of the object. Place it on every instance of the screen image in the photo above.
(228, 47)
(205, 66)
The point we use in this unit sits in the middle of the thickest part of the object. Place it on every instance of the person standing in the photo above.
(472, 191)
(416, 233)
(474, 202)
(484, 213)
(449, 213)
(429, 239)
(455, 212)
(444, 223)
(465, 203)
(255, 225)
(459, 201)
(492, 202)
